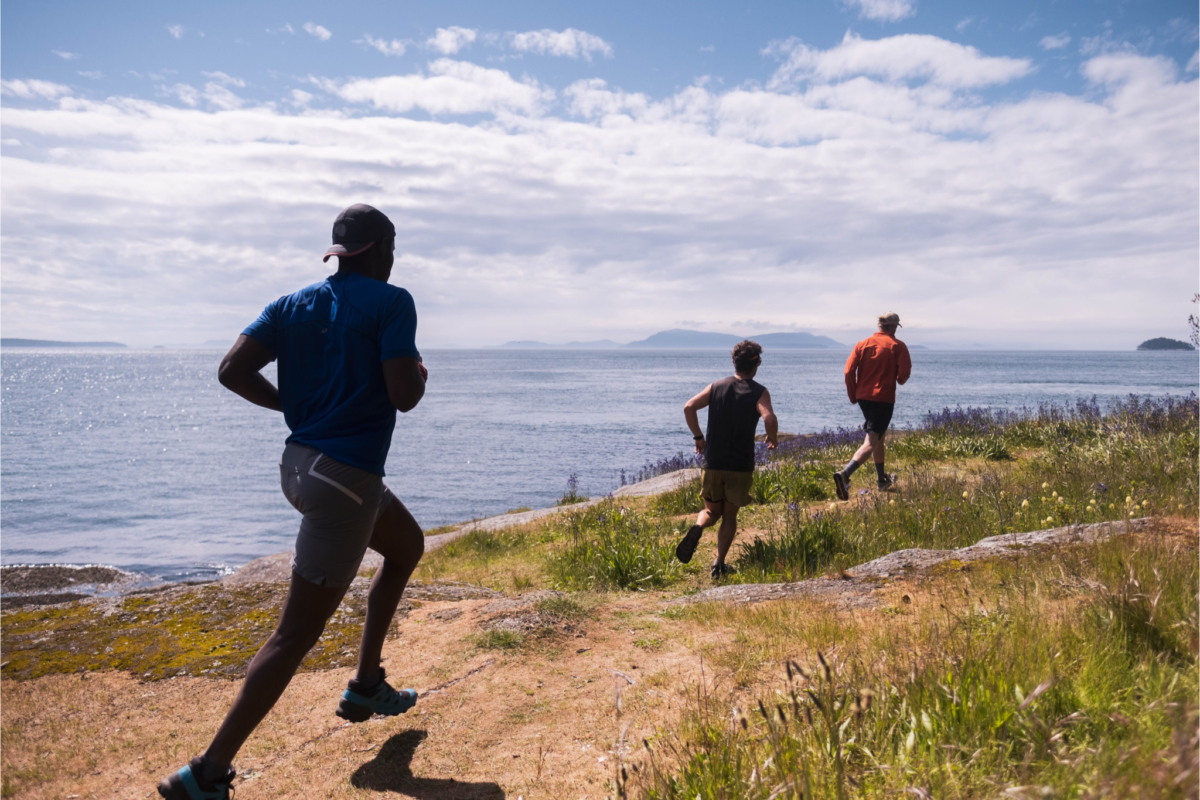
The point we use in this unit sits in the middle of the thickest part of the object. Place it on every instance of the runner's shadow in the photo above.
(391, 771)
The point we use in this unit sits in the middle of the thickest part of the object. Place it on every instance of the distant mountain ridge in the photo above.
(599, 344)
(52, 343)
(683, 339)
(680, 338)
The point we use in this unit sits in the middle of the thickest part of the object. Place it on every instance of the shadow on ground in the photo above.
(391, 771)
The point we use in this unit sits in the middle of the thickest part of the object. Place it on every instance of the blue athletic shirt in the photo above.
(331, 340)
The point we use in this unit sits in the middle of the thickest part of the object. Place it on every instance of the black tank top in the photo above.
(732, 420)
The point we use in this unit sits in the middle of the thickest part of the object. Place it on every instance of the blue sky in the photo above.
(1023, 174)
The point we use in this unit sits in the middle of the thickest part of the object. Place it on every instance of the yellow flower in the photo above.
(1054, 494)
(1002, 494)
(965, 495)
(1025, 504)
(1045, 486)
(1128, 499)
(891, 502)
(832, 506)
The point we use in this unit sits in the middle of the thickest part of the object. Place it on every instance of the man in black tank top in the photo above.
(735, 405)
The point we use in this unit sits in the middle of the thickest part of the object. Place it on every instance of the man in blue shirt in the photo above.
(347, 362)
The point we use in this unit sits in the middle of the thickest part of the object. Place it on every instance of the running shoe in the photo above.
(687, 548)
(888, 482)
(188, 784)
(359, 703)
(842, 484)
(719, 571)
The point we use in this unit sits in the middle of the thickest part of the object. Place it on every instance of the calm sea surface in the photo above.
(140, 460)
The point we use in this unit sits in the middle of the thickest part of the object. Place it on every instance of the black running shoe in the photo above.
(719, 571)
(842, 484)
(686, 548)
(889, 481)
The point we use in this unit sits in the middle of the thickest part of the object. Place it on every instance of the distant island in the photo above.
(599, 344)
(1163, 343)
(680, 339)
(52, 343)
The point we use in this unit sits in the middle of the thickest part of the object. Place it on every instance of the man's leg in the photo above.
(305, 611)
(726, 532)
(708, 515)
(872, 443)
(398, 538)
(877, 454)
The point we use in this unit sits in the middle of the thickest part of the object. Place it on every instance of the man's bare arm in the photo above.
(405, 379)
(241, 372)
(769, 419)
(692, 418)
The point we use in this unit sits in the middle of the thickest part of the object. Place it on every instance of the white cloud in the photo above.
(884, 10)
(33, 88)
(10, 142)
(393, 48)
(1193, 62)
(188, 95)
(221, 98)
(570, 43)
(451, 87)
(1046, 218)
(1056, 42)
(907, 57)
(300, 98)
(708, 48)
(318, 31)
(963, 24)
(449, 41)
(223, 79)
(65, 55)
(92, 74)
(175, 30)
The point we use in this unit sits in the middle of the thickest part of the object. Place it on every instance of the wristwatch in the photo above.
(698, 436)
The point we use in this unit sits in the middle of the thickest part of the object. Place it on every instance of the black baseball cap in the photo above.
(357, 228)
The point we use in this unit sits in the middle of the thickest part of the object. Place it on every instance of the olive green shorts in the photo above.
(722, 485)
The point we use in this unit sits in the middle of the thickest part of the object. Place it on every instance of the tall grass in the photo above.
(1139, 459)
(608, 546)
(1016, 696)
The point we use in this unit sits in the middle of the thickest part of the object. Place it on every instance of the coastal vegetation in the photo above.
(1065, 670)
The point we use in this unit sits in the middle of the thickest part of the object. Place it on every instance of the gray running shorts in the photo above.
(340, 504)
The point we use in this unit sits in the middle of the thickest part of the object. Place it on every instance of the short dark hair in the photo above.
(746, 355)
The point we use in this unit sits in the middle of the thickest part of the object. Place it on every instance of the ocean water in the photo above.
(139, 459)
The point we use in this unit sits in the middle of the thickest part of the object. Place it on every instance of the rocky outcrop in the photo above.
(855, 587)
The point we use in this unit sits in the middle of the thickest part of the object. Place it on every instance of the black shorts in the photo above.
(877, 415)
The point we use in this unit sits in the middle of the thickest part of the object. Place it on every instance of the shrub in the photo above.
(609, 547)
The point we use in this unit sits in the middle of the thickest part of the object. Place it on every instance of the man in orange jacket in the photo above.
(877, 364)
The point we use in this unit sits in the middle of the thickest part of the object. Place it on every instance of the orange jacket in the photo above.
(877, 364)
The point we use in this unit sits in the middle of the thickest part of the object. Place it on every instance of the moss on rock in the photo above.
(212, 630)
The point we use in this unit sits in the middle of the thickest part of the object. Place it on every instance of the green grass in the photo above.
(498, 640)
(1083, 470)
(1012, 688)
(608, 546)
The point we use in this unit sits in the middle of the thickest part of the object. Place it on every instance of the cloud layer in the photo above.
(865, 176)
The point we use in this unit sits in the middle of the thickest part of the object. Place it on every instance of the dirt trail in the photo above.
(539, 722)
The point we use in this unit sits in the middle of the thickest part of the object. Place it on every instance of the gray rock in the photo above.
(856, 588)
